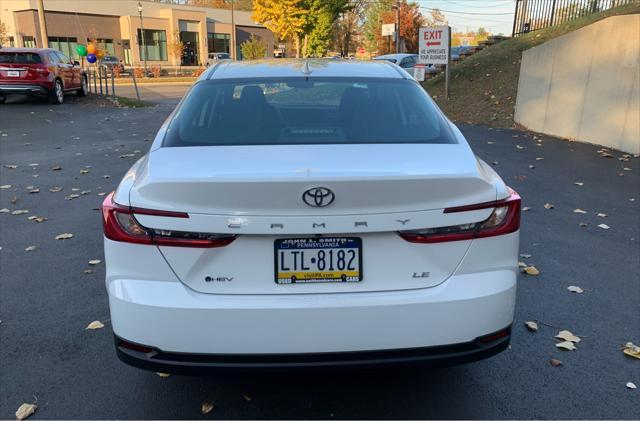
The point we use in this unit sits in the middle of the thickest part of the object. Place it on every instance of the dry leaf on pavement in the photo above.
(533, 326)
(531, 270)
(579, 211)
(567, 336)
(548, 206)
(575, 289)
(55, 189)
(25, 411)
(604, 226)
(579, 183)
(206, 408)
(5, 186)
(602, 215)
(64, 236)
(95, 262)
(96, 324)
(163, 374)
(30, 248)
(555, 363)
(19, 212)
(631, 350)
(568, 345)
(631, 385)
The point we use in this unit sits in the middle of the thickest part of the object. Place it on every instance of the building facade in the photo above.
(119, 28)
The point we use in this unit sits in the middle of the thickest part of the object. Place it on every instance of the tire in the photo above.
(84, 89)
(56, 96)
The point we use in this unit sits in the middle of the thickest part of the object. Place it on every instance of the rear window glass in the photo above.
(301, 111)
(20, 58)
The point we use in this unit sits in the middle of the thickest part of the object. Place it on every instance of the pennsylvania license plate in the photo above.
(324, 259)
(13, 73)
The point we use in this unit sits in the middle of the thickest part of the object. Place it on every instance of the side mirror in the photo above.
(76, 63)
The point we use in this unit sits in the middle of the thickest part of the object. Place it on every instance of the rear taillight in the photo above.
(504, 219)
(120, 224)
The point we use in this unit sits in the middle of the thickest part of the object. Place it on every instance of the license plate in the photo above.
(324, 259)
(13, 73)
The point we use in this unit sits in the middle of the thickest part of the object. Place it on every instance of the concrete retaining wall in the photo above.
(584, 85)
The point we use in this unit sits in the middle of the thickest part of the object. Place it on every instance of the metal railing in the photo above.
(532, 15)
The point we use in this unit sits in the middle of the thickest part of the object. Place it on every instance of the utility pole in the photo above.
(144, 47)
(397, 26)
(43, 25)
(233, 32)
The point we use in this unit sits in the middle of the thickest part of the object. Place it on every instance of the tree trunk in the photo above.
(305, 53)
(297, 44)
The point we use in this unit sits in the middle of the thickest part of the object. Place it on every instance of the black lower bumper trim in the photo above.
(437, 356)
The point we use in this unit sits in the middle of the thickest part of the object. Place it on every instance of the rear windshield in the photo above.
(20, 58)
(299, 111)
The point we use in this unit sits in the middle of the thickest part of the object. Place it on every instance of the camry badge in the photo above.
(318, 197)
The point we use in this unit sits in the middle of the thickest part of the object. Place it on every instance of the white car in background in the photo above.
(407, 62)
(215, 57)
(299, 213)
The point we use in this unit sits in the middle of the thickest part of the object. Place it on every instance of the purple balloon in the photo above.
(91, 58)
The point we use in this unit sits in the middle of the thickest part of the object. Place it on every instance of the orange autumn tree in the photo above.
(410, 21)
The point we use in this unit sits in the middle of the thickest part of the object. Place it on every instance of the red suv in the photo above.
(40, 71)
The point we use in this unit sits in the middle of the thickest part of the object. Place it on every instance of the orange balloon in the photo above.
(91, 49)
(99, 54)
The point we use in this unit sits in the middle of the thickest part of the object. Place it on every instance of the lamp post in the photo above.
(144, 47)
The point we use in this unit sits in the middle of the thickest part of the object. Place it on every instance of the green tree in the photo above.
(318, 28)
(253, 49)
(4, 37)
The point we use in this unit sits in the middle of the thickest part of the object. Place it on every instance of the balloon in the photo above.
(91, 49)
(81, 50)
(91, 58)
(99, 54)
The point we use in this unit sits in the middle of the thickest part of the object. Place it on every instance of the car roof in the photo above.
(26, 50)
(228, 69)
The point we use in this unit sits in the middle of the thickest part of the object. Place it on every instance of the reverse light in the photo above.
(120, 224)
(504, 219)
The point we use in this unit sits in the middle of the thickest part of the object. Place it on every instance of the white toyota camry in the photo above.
(309, 213)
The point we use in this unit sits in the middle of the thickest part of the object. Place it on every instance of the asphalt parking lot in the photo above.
(50, 294)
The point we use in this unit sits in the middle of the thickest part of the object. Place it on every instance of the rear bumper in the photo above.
(23, 89)
(437, 356)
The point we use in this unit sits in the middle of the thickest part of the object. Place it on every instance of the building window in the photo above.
(105, 44)
(219, 43)
(155, 43)
(66, 45)
(29, 42)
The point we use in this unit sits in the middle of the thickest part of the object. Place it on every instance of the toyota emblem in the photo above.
(318, 197)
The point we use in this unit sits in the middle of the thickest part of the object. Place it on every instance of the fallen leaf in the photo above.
(88, 271)
(582, 224)
(531, 167)
(631, 385)
(548, 206)
(102, 193)
(25, 411)
(32, 191)
(631, 350)
(579, 183)
(94, 325)
(575, 289)
(602, 215)
(555, 363)
(531, 270)
(19, 212)
(569, 346)
(11, 167)
(84, 171)
(526, 209)
(55, 189)
(519, 147)
(206, 408)
(525, 256)
(579, 211)
(94, 262)
(30, 248)
(163, 374)
(604, 226)
(56, 168)
(4, 210)
(539, 158)
(71, 196)
(14, 200)
(533, 326)
(246, 398)
(64, 236)
(567, 336)
(5, 186)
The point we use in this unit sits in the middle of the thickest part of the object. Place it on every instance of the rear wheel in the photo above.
(56, 96)
(83, 90)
